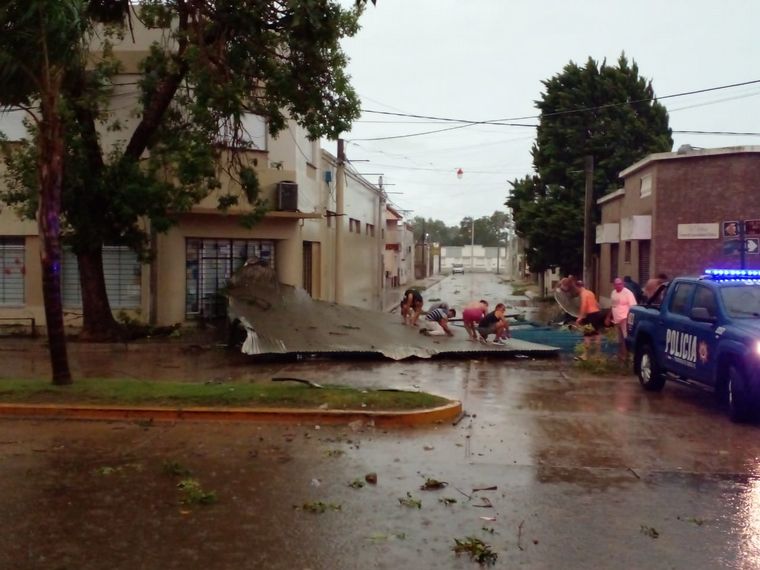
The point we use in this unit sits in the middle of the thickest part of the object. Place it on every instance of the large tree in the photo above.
(218, 62)
(606, 111)
(39, 40)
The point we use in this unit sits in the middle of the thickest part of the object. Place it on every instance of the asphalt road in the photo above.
(590, 472)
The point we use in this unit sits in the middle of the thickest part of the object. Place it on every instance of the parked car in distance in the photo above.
(457, 268)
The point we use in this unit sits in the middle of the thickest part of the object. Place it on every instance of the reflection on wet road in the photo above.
(591, 472)
(587, 470)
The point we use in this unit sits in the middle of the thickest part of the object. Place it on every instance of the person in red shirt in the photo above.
(591, 318)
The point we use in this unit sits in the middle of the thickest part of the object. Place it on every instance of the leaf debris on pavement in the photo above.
(194, 493)
(356, 484)
(447, 501)
(410, 501)
(431, 484)
(478, 550)
(649, 531)
(318, 507)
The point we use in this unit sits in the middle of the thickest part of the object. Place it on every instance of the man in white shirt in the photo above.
(622, 301)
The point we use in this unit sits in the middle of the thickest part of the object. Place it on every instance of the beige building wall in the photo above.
(362, 224)
(288, 157)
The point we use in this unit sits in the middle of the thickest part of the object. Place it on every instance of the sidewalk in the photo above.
(392, 296)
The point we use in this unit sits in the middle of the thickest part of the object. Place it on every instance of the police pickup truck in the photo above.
(703, 331)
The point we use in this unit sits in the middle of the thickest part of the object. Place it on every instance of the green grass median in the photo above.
(176, 394)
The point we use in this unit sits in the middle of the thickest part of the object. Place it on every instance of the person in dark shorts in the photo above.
(591, 318)
(411, 307)
(494, 323)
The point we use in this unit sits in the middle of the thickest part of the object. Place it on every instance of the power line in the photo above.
(506, 121)
(731, 133)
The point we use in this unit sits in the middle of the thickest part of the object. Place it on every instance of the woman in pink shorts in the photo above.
(471, 316)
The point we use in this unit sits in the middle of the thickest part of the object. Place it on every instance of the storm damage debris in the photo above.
(478, 550)
(267, 317)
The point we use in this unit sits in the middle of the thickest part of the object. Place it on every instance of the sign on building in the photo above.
(699, 231)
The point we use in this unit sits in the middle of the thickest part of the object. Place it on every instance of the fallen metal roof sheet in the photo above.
(287, 320)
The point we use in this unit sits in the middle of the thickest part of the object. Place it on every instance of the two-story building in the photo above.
(679, 213)
(194, 259)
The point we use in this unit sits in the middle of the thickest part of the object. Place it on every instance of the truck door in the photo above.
(676, 338)
(704, 297)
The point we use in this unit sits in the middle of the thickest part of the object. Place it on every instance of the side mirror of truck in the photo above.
(701, 315)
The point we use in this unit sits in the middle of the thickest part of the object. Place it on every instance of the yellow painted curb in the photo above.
(413, 418)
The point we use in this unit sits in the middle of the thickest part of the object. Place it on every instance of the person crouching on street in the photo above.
(411, 307)
(622, 300)
(591, 318)
(494, 323)
(437, 322)
(472, 315)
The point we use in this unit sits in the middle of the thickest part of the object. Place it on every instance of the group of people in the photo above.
(478, 321)
(626, 294)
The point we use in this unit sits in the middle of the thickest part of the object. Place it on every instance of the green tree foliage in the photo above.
(39, 39)
(217, 62)
(606, 111)
(489, 230)
(436, 230)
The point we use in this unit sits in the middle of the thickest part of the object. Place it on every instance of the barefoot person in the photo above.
(591, 318)
(411, 307)
(472, 315)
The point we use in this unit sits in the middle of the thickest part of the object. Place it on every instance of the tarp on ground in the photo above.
(287, 320)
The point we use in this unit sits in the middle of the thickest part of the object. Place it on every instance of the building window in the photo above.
(354, 225)
(122, 271)
(627, 252)
(12, 270)
(209, 263)
(370, 230)
(645, 185)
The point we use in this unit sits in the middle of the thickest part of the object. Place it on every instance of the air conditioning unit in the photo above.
(287, 196)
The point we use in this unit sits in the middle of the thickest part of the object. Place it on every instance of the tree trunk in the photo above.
(99, 324)
(51, 180)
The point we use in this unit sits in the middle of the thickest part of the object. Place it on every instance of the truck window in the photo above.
(705, 298)
(741, 301)
(679, 303)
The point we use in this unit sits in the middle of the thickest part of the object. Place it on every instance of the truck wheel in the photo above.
(739, 401)
(650, 376)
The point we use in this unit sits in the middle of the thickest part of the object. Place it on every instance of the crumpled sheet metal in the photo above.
(287, 320)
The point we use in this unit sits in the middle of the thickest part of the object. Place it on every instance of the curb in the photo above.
(447, 412)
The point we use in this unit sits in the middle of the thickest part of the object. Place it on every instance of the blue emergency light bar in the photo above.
(733, 274)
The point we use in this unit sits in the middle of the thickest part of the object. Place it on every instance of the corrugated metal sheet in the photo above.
(287, 320)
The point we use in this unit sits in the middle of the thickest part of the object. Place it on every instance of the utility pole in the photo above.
(380, 240)
(340, 183)
(472, 244)
(588, 214)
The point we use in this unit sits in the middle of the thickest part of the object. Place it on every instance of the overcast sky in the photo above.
(485, 59)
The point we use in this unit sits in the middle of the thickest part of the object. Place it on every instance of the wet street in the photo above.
(589, 471)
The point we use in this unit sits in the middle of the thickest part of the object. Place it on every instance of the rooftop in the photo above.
(687, 151)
